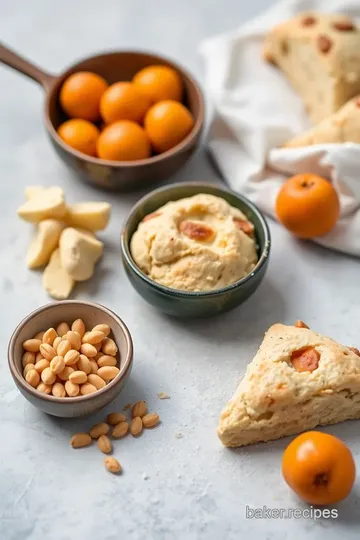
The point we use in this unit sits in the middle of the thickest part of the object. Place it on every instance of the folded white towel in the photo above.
(256, 111)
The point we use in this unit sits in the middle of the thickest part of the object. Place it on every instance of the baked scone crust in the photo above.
(320, 55)
(274, 400)
(343, 126)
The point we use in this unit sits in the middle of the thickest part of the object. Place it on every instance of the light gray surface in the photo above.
(172, 488)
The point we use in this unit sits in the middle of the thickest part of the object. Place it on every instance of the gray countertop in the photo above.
(178, 482)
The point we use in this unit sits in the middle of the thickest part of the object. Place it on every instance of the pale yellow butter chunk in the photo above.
(79, 252)
(44, 242)
(31, 191)
(56, 280)
(93, 216)
(45, 204)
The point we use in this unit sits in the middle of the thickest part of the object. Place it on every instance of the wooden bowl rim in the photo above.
(182, 146)
(127, 363)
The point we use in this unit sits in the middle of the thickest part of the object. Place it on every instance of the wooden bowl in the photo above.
(51, 315)
(114, 66)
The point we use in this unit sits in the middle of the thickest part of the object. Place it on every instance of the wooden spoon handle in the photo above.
(12, 59)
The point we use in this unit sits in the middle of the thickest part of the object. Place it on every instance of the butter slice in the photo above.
(56, 280)
(44, 242)
(93, 216)
(79, 252)
(44, 204)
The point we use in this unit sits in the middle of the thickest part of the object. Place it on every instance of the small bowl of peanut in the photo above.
(70, 358)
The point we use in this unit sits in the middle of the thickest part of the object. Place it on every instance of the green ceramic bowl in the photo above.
(194, 304)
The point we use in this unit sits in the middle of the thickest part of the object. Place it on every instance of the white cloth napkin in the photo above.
(256, 110)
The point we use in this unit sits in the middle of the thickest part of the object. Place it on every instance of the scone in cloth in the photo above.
(257, 111)
(278, 396)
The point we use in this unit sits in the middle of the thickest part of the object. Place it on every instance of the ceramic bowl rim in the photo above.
(125, 248)
(179, 148)
(127, 363)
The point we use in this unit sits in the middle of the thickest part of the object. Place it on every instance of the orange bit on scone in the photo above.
(305, 359)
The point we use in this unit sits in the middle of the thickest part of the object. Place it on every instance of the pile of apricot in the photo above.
(125, 121)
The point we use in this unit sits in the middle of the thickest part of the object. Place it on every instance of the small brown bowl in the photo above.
(51, 315)
(114, 66)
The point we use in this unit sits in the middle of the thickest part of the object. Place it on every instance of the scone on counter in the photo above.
(341, 127)
(199, 243)
(320, 55)
(297, 380)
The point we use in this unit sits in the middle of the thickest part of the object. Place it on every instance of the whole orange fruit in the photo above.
(123, 101)
(319, 468)
(123, 141)
(167, 123)
(80, 95)
(308, 205)
(80, 135)
(159, 83)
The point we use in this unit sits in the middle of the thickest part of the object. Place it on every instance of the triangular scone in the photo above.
(343, 126)
(274, 399)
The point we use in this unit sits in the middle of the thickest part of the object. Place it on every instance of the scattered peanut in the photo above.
(109, 347)
(112, 465)
(79, 327)
(136, 426)
(80, 440)
(49, 336)
(139, 409)
(115, 418)
(62, 361)
(104, 444)
(99, 429)
(106, 360)
(120, 430)
(150, 420)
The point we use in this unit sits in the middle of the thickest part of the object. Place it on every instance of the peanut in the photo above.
(28, 358)
(78, 377)
(72, 389)
(99, 429)
(108, 372)
(83, 364)
(120, 430)
(64, 375)
(44, 388)
(115, 418)
(87, 388)
(58, 390)
(80, 440)
(104, 444)
(63, 347)
(49, 336)
(32, 345)
(28, 368)
(104, 328)
(39, 335)
(150, 420)
(39, 357)
(79, 327)
(136, 426)
(139, 409)
(106, 360)
(112, 465)
(93, 337)
(41, 365)
(98, 346)
(62, 329)
(89, 350)
(75, 339)
(33, 378)
(47, 351)
(47, 376)
(97, 381)
(71, 357)
(56, 343)
(57, 364)
(94, 366)
(109, 346)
